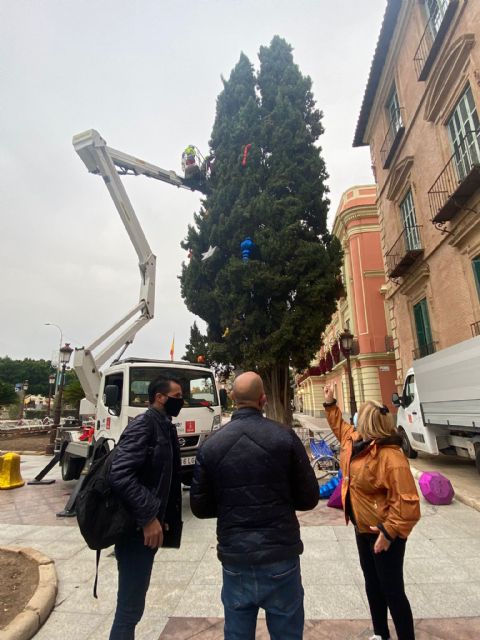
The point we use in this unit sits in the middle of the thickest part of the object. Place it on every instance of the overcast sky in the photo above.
(145, 74)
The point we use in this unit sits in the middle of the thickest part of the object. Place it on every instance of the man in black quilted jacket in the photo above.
(145, 473)
(253, 474)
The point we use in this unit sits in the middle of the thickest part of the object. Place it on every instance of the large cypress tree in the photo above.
(266, 313)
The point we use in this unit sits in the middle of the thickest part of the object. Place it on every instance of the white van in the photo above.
(439, 409)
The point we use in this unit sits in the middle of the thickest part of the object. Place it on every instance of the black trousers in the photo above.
(383, 573)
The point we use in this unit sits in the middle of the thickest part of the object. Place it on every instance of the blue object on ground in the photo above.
(329, 487)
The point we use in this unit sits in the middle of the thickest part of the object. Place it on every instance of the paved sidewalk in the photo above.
(314, 424)
(442, 573)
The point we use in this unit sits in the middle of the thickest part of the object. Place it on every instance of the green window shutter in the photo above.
(422, 325)
(476, 272)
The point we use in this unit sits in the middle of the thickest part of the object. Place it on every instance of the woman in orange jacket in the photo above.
(380, 497)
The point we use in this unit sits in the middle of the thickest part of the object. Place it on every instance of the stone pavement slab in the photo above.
(212, 629)
(36, 504)
(442, 574)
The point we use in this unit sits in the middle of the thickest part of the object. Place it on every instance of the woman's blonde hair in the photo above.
(374, 421)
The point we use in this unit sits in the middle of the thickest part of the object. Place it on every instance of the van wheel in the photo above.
(406, 447)
(71, 467)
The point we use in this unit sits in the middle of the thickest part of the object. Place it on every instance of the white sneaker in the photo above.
(377, 638)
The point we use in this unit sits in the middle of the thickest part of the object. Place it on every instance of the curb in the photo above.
(461, 497)
(26, 624)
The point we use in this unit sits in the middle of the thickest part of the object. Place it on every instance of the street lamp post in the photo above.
(22, 400)
(346, 338)
(51, 382)
(52, 324)
(64, 359)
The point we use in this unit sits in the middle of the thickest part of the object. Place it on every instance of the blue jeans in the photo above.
(276, 587)
(135, 562)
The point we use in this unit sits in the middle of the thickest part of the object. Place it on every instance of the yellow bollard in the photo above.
(10, 476)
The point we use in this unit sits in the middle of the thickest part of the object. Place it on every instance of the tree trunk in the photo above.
(277, 387)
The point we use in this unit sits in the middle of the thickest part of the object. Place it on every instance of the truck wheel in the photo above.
(406, 447)
(71, 467)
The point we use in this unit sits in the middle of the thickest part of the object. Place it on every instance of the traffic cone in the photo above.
(10, 476)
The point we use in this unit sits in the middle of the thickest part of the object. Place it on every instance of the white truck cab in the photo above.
(415, 436)
(125, 387)
(124, 395)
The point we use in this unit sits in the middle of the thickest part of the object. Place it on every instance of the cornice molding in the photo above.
(417, 280)
(466, 234)
(399, 178)
(450, 72)
(355, 213)
(358, 231)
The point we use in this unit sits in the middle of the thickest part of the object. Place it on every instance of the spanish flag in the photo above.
(172, 348)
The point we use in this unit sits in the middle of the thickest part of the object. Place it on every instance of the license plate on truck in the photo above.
(189, 461)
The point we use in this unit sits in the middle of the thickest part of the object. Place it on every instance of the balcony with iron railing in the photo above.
(392, 139)
(406, 250)
(425, 349)
(475, 327)
(433, 36)
(458, 181)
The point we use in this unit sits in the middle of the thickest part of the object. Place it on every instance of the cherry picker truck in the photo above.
(119, 392)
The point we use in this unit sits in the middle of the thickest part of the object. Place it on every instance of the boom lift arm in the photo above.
(111, 164)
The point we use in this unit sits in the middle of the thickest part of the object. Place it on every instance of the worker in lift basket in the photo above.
(188, 156)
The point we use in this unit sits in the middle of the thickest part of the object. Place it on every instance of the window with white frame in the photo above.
(464, 130)
(409, 220)
(393, 109)
(436, 10)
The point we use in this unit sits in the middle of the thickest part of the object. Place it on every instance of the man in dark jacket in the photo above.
(252, 475)
(145, 473)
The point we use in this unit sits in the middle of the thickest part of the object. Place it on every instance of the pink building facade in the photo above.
(362, 310)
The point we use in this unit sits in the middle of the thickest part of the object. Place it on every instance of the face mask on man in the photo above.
(173, 406)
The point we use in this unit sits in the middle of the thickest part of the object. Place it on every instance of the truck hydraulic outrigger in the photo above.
(110, 164)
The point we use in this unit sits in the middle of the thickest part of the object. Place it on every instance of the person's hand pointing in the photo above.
(328, 391)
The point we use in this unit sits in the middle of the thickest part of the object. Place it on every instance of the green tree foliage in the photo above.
(7, 394)
(266, 313)
(35, 371)
(197, 346)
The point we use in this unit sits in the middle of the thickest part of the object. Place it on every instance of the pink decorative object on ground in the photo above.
(335, 500)
(436, 488)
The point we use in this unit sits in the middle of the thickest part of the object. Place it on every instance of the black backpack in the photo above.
(101, 515)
